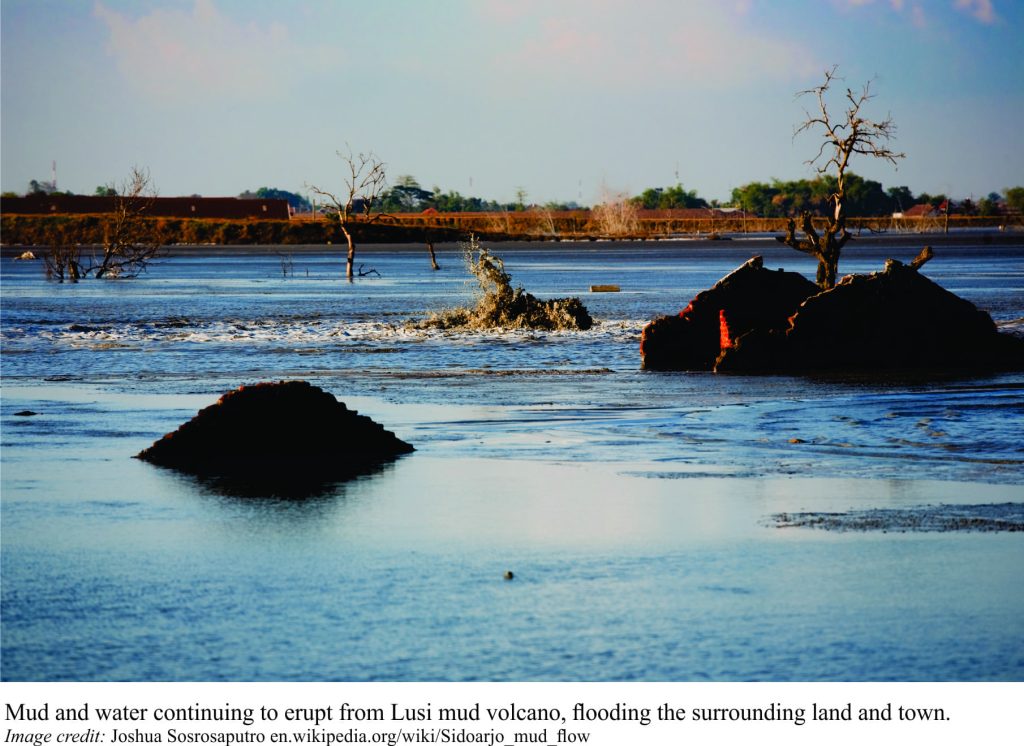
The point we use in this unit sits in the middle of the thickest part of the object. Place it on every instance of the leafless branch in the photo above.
(365, 182)
(852, 135)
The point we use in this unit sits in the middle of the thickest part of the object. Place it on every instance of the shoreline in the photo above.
(988, 237)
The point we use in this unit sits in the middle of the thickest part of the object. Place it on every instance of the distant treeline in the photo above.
(535, 224)
(775, 198)
(864, 197)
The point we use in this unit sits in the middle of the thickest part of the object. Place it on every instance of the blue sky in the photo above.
(566, 99)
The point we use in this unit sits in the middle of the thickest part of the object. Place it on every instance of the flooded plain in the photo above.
(635, 508)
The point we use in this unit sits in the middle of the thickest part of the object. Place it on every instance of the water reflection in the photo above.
(280, 490)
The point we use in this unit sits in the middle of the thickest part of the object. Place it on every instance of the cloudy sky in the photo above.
(562, 98)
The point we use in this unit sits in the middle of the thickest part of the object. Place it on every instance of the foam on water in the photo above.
(308, 331)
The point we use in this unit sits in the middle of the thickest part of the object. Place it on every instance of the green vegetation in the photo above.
(783, 198)
(669, 198)
(296, 201)
(1015, 198)
(769, 199)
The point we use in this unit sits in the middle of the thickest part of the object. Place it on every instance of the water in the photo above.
(634, 508)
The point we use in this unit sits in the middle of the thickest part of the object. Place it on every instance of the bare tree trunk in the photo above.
(828, 269)
(351, 253)
(925, 254)
(842, 139)
(365, 183)
(433, 259)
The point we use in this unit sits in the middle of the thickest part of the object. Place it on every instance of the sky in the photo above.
(563, 99)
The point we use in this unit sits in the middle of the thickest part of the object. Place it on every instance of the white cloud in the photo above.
(982, 10)
(177, 54)
(916, 8)
(645, 44)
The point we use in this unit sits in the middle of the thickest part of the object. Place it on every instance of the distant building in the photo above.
(919, 211)
(224, 208)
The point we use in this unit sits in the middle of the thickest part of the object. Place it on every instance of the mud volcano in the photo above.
(758, 321)
(501, 306)
(283, 432)
(749, 297)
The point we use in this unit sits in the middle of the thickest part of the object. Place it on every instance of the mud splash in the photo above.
(500, 305)
(926, 518)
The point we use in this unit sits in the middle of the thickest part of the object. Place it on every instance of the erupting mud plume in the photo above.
(499, 305)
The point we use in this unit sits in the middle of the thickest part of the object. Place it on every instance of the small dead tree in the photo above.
(63, 260)
(128, 245)
(365, 180)
(430, 249)
(842, 139)
(130, 242)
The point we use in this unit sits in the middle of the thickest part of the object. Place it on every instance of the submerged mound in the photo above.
(277, 431)
(924, 518)
(896, 319)
(747, 298)
(501, 306)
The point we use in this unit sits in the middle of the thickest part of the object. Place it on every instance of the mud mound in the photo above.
(750, 296)
(896, 319)
(501, 306)
(758, 321)
(282, 431)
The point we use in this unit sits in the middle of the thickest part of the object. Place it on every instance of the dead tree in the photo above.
(365, 181)
(429, 238)
(841, 140)
(63, 260)
(130, 241)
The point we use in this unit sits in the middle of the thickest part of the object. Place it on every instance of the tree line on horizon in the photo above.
(775, 198)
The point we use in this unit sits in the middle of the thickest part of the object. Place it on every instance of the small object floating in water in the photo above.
(509, 575)
(26, 413)
(25, 256)
(604, 288)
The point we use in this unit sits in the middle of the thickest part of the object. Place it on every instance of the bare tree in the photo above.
(841, 139)
(129, 243)
(64, 257)
(365, 180)
(430, 249)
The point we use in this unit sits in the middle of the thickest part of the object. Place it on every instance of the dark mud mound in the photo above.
(749, 297)
(894, 320)
(501, 306)
(277, 433)
(993, 517)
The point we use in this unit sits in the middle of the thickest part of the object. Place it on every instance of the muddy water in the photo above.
(634, 508)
